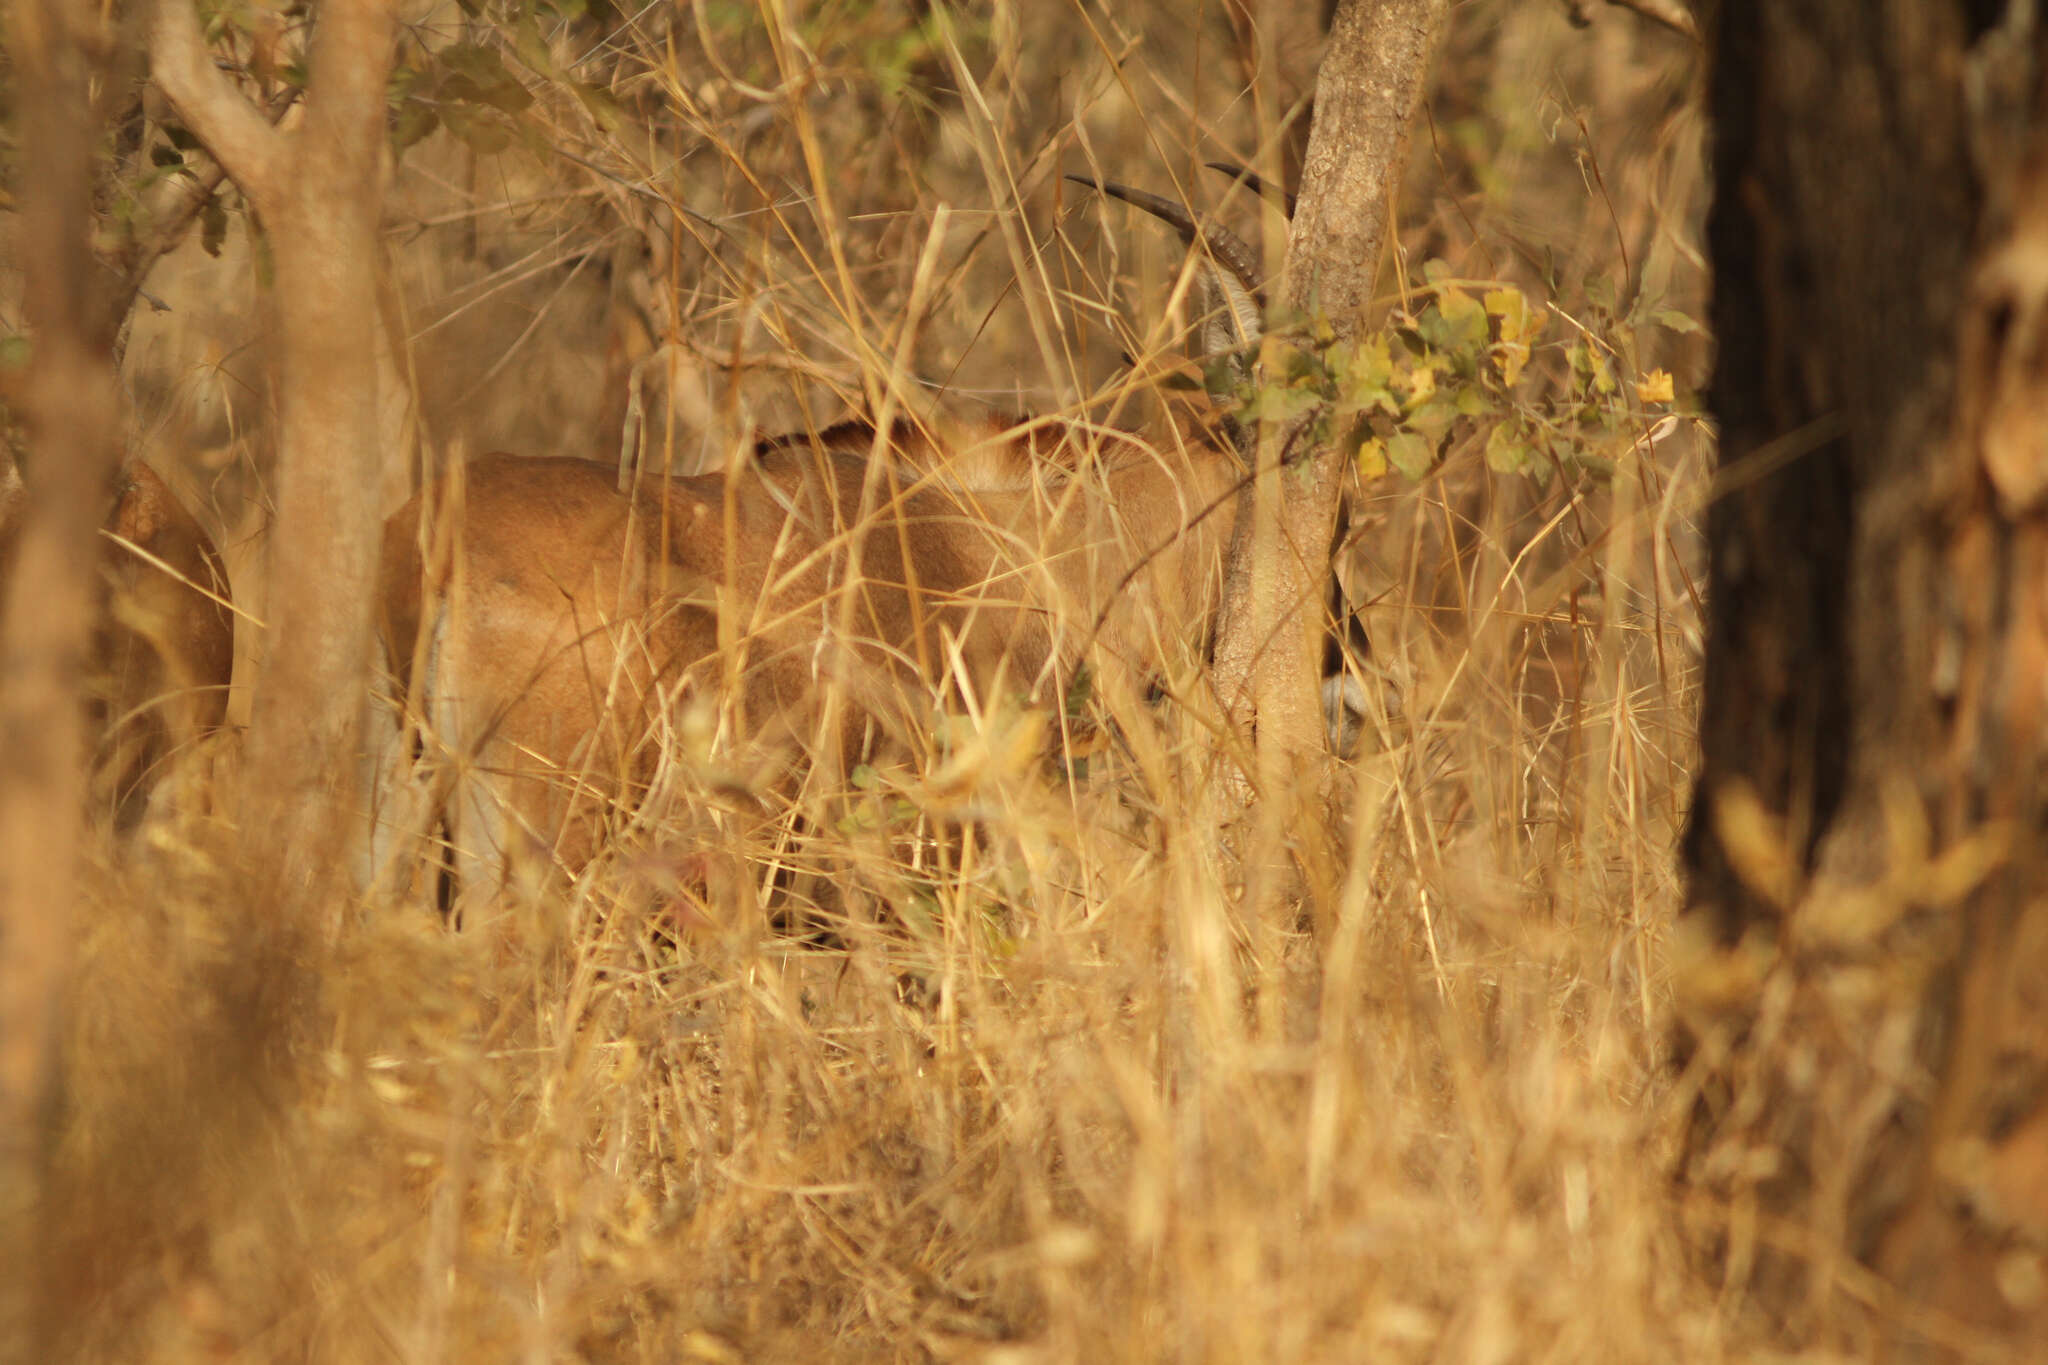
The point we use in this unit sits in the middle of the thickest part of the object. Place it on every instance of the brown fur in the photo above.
(991, 556)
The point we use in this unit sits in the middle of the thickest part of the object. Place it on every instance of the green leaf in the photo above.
(1410, 454)
(477, 75)
(1080, 690)
(1220, 376)
(265, 260)
(484, 132)
(604, 111)
(1466, 317)
(414, 121)
(1507, 449)
(1591, 368)
(1285, 357)
(532, 47)
(1455, 324)
(15, 351)
(1672, 320)
(1433, 419)
(1282, 402)
(1599, 466)
(1364, 372)
(476, 63)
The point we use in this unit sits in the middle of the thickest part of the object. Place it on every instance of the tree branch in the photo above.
(232, 130)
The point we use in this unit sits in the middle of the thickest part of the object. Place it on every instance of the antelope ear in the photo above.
(1235, 307)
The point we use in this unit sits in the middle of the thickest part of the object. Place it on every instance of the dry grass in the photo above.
(1024, 1102)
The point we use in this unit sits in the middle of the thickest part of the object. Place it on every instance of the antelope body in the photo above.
(547, 621)
(568, 612)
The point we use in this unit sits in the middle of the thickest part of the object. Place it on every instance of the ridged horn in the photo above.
(1238, 312)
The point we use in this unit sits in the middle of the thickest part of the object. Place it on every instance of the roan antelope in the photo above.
(547, 617)
(163, 642)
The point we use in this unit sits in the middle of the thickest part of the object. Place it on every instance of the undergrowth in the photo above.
(1008, 1093)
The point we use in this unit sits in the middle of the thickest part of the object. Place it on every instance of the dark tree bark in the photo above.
(1865, 949)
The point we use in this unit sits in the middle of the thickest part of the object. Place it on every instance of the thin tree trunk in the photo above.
(1866, 938)
(1268, 645)
(70, 404)
(319, 191)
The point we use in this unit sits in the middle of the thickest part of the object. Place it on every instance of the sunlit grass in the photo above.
(972, 1061)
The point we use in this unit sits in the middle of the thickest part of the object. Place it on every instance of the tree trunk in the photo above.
(319, 191)
(1268, 647)
(69, 403)
(1865, 947)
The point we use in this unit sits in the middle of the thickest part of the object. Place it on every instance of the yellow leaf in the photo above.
(1372, 458)
(1511, 306)
(1513, 356)
(1421, 384)
(1655, 387)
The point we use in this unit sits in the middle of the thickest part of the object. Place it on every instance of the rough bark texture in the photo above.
(319, 191)
(1867, 933)
(69, 404)
(1268, 647)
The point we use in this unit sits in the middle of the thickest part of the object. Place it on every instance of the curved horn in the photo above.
(1236, 283)
(1253, 181)
(1226, 246)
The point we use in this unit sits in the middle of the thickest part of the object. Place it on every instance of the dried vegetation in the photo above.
(1013, 1100)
